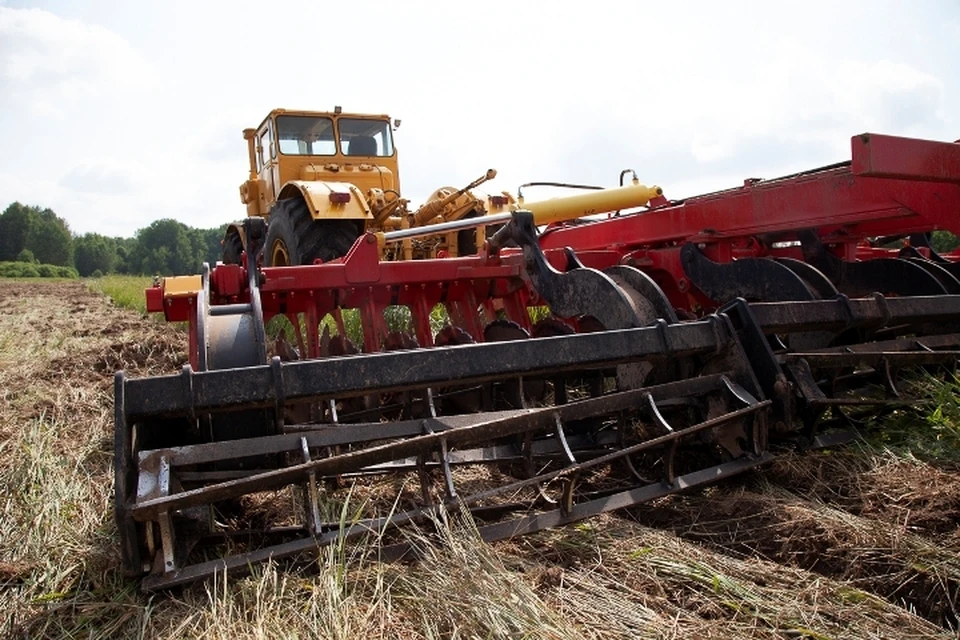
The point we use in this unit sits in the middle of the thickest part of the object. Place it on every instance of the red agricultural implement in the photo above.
(557, 374)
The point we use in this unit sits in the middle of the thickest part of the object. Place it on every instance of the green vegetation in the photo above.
(30, 235)
(34, 270)
(125, 291)
(930, 430)
(944, 241)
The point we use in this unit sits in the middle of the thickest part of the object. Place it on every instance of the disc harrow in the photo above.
(711, 399)
(549, 378)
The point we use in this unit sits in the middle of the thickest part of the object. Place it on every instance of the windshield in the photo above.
(365, 137)
(305, 136)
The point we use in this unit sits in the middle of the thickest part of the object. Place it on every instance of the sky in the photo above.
(116, 114)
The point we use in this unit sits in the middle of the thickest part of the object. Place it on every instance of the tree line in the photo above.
(31, 234)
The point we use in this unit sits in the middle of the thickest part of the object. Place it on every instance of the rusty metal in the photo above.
(613, 403)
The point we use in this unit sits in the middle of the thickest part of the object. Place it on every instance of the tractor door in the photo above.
(267, 167)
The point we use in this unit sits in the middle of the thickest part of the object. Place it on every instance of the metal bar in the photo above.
(873, 358)
(320, 436)
(881, 156)
(230, 309)
(305, 545)
(311, 496)
(913, 344)
(858, 402)
(254, 387)
(337, 435)
(537, 418)
(444, 227)
(397, 371)
(824, 315)
(585, 446)
(557, 517)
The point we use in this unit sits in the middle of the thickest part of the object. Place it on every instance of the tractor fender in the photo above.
(317, 195)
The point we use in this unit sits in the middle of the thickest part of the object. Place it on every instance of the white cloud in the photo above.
(47, 62)
(105, 176)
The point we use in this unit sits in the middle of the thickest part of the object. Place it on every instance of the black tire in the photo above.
(294, 237)
(232, 247)
(467, 239)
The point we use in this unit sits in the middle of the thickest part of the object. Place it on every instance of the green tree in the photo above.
(94, 252)
(50, 239)
(26, 256)
(16, 223)
(212, 247)
(39, 230)
(167, 247)
(127, 259)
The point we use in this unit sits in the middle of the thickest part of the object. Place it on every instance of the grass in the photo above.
(885, 514)
(126, 291)
(930, 430)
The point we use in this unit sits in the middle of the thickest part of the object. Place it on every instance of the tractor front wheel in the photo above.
(294, 237)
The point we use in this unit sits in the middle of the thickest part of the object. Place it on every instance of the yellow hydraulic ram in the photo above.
(544, 211)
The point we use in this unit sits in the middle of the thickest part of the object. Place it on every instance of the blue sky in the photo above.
(115, 114)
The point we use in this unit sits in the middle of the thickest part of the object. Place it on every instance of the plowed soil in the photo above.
(854, 543)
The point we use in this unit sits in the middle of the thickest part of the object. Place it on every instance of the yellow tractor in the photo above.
(322, 179)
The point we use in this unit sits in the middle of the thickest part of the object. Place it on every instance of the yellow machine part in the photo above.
(253, 194)
(181, 286)
(590, 203)
(322, 206)
(560, 209)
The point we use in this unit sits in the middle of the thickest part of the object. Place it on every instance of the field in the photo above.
(855, 543)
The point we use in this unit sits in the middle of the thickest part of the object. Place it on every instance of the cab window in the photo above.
(305, 136)
(365, 137)
(264, 148)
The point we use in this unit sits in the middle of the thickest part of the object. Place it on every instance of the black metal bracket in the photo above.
(580, 291)
(858, 279)
(750, 278)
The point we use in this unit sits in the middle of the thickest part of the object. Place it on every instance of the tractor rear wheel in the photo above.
(294, 237)
(232, 247)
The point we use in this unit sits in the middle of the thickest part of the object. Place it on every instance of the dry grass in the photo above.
(743, 565)
(878, 523)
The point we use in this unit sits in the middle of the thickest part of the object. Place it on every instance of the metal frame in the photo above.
(739, 369)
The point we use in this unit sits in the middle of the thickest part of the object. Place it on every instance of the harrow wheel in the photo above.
(294, 237)
(230, 337)
(225, 337)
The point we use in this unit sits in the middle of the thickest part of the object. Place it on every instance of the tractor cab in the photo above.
(291, 146)
(322, 136)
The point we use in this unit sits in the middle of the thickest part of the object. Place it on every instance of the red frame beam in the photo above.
(880, 156)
